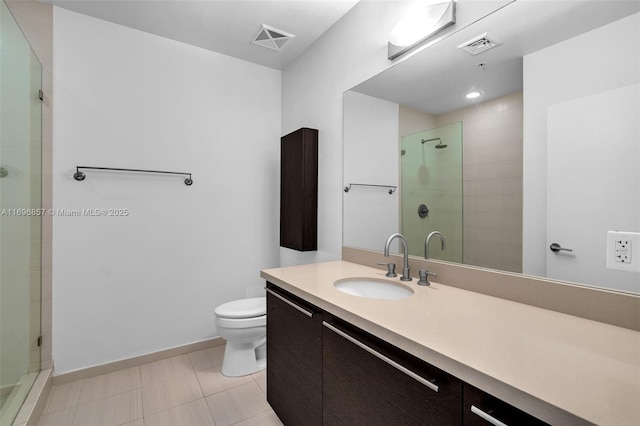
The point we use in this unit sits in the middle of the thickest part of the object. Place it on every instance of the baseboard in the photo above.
(85, 373)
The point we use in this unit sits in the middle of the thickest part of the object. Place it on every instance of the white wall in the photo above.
(125, 286)
(594, 172)
(604, 59)
(370, 157)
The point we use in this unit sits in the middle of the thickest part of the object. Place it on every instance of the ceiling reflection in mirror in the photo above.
(549, 148)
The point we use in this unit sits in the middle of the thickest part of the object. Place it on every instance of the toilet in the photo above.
(243, 324)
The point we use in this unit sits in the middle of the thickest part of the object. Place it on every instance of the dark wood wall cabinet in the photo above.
(323, 370)
(299, 190)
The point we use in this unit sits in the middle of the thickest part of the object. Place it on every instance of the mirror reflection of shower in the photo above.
(431, 189)
(440, 145)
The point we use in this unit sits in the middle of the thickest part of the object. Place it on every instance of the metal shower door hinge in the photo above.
(39, 340)
(41, 94)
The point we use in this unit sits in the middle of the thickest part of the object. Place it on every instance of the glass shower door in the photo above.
(20, 216)
(431, 195)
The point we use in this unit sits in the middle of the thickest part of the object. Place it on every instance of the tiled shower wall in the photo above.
(492, 180)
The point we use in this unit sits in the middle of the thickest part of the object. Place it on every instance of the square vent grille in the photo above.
(271, 38)
(480, 44)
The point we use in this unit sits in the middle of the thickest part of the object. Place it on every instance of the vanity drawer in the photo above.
(367, 381)
(481, 409)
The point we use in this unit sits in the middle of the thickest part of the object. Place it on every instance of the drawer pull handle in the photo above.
(382, 357)
(290, 303)
(475, 410)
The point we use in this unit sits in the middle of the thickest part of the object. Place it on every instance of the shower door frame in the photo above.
(21, 221)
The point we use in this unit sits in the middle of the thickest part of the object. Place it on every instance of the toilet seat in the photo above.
(260, 321)
(244, 308)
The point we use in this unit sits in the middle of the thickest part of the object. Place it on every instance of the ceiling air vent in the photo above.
(480, 44)
(271, 38)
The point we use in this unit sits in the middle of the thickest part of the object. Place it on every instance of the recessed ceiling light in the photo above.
(473, 95)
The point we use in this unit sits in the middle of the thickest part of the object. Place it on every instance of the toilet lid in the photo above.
(243, 308)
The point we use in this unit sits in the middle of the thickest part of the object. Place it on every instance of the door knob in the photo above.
(555, 247)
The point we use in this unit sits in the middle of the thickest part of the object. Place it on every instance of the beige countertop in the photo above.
(560, 368)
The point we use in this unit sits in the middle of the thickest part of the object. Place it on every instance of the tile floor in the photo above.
(187, 390)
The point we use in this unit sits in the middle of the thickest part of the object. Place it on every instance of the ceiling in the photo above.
(224, 26)
(437, 79)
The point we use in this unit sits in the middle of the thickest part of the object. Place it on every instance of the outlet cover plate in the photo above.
(623, 251)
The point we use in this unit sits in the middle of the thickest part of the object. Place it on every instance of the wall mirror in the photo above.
(547, 152)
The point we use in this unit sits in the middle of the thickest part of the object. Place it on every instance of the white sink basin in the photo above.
(373, 289)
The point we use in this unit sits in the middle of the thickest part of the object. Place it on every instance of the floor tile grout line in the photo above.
(139, 368)
(73, 418)
(181, 405)
(58, 411)
(200, 384)
(141, 409)
(98, 401)
(142, 399)
(254, 416)
(255, 378)
(139, 387)
(74, 404)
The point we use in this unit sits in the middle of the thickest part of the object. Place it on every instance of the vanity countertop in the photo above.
(560, 368)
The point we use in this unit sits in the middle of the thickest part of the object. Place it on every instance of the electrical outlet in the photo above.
(620, 246)
(623, 251)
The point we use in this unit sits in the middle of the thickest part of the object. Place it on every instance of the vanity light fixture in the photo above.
(420, 24)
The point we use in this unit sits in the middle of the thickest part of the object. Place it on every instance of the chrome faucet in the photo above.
(424, 276)
(428, 239)
(406, 276)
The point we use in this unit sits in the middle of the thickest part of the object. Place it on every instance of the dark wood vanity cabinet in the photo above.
(294, 358)
(366, 381)
(481, 409)
(325, 371)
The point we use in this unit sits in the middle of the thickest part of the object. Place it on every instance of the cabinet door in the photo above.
(294, 358)
(299, 190)
(369, 382)
(482, 409)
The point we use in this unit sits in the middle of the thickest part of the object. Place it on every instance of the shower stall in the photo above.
(431, 195)
(20, 218)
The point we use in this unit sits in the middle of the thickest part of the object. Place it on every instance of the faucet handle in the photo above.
(424, 276)
(391, 269)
